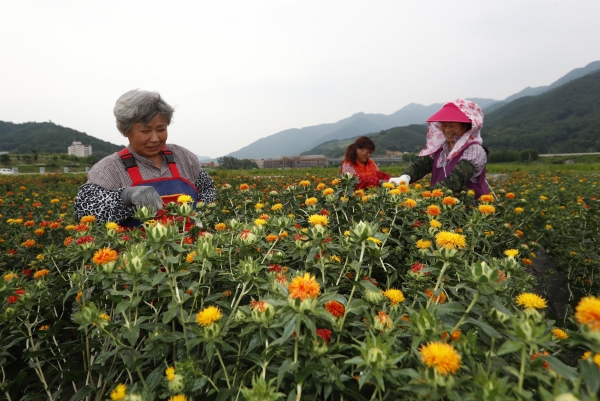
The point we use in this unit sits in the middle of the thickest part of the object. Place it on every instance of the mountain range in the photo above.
(301, 140)
(560, 120)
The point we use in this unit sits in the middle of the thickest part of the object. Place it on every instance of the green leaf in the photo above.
(170, 314)
(304, 373)
(131, 333)
(158, 278)
(121, 306)
(367, 285)
(487, 329)
(589, 371)
(509, 346)
(286, 366)
(82, 393)
(450, 307)
(560, 368)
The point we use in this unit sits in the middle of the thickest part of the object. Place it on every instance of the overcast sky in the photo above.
(241, 70)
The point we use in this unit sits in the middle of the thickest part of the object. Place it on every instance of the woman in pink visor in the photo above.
(453, 152)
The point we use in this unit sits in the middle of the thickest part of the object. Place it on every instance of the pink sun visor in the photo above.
(450, 113)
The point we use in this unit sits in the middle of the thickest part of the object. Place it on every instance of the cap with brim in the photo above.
(450, 113)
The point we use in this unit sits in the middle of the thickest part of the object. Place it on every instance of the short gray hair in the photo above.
(139, 106)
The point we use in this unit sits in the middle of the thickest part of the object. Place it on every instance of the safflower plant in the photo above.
(299, 287)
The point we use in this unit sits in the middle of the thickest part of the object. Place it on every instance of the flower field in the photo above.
(297, 287)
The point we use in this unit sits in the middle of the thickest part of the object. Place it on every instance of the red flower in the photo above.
(81, 227)
(26, 272)
(324, 334)
(325, 212)
(84, 239)
(418, 223)
(273, 267)
(335, 308)
(19, 292)
(125, 238)
(11, 252)
(12, 299)
(417, 267)
(327, 240)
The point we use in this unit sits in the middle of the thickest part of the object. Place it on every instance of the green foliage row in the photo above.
(48, 138)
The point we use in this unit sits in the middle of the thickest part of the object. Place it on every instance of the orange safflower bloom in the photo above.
(436, 193)
(29, 223)
(384, 319)
(510, 195)
(442, 296)
(220, 226)
(41, 273)
(486, 198)
(87, 219)
(39, 232)
(244, 187)
(272, 238)
(335, 308)
(409, 203)
(29, 243)
(449, 200)
(433, 210)
(68, 240)
(104, 256)
(426, 194)
(486, 209)
(527, 261)
(304, 287)
(588, 312)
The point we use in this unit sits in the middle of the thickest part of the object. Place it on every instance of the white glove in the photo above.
(402, 179)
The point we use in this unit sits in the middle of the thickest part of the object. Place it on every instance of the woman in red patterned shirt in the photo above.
(357, 162)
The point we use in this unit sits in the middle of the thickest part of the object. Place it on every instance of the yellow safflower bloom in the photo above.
(260, 222)
(511, 253)
(317, 219)
(441, 356)
(119, 392)
(449, 240)
(531, 301)
(375, 240)
(560, 333)
(423, 244)
(178, 397)
(184, 199)
(328, 191)
(394, 295)
(435, 224)
(170, 373)
(208, 315)
(277, 206)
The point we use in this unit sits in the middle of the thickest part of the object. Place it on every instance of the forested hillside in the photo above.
(563, 120)
(406, 139)
(48, 138)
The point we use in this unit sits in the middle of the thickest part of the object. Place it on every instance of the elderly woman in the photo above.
(453, 153)
(357, 162)
(146, 170)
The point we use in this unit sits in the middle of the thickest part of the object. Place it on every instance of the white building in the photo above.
(79, 149)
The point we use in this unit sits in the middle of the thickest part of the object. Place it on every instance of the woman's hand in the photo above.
(142, 196)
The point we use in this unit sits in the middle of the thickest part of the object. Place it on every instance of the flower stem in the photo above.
(223, 366)
(522, 371)
(464, 316)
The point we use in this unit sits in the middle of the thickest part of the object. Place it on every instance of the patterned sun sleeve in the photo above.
(104, 204)
(422, 166)
(206, 187)
(459, 177)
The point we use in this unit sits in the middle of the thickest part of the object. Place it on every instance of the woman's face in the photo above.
(453, 131)
(148, 140)
(362, 155)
